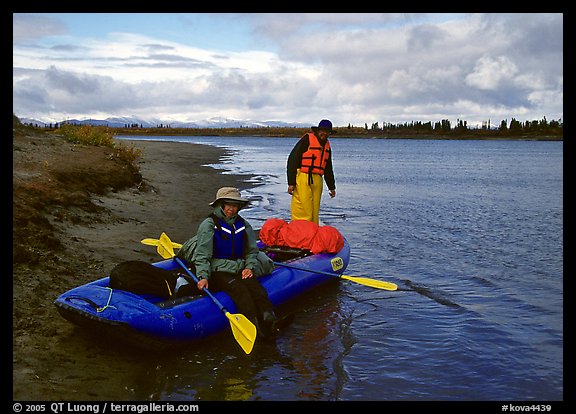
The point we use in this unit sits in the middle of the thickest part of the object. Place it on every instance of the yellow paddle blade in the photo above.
(243, 330)
(165, 246)
(378, 284)
(150, 242)
(154, 242)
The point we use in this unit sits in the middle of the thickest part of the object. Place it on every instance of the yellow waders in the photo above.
(305, 203)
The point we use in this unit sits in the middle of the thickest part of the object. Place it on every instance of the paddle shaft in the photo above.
(320, 272)
(216, 301)
(378, 284)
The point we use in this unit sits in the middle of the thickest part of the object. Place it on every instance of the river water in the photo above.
(473, 230)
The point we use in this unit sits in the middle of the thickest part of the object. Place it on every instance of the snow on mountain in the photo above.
(214, 122)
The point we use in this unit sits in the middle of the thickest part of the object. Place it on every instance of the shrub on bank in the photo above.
(99, 136)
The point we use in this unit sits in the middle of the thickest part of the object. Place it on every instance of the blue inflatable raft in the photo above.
(156, 322)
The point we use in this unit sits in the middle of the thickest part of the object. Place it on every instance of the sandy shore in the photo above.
(182, 186)
(70, 242)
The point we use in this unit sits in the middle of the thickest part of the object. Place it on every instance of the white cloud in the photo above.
(349, 67)
(489, 73)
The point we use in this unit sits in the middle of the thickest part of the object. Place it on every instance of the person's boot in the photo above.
(258, 324)
(268, 325)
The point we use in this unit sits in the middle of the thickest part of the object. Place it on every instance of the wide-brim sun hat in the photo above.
(325, 125)
(230, 194)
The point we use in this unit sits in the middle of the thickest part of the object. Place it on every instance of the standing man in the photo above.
(309, 162)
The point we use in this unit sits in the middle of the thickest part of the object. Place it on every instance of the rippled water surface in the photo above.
(473, 230)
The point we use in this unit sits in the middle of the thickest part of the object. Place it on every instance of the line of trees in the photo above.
(515, 127)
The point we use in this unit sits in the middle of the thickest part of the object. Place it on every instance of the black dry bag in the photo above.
(143, 278)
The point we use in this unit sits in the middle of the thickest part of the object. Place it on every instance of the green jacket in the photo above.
(202, 256)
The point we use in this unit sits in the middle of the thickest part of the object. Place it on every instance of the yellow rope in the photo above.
(168, 286)
(107, 303)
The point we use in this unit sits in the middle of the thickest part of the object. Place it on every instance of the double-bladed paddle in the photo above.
(243, 330)
(374, 283)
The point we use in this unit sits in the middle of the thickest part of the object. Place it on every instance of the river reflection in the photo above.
(298, 365)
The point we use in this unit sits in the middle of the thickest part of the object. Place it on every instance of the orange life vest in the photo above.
(314, 160)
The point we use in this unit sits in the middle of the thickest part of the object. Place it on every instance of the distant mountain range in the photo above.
(215, 122)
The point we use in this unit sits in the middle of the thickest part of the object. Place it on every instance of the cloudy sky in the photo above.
(350, 68)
